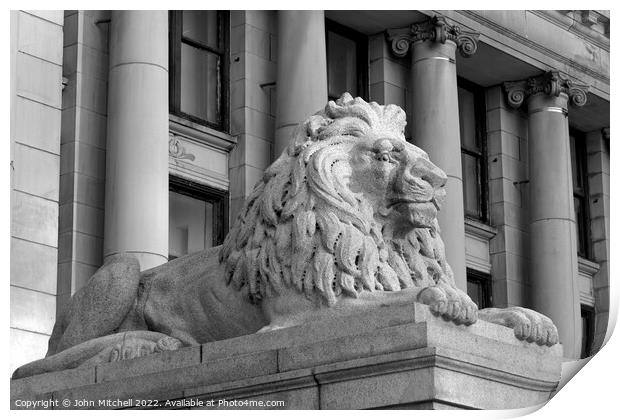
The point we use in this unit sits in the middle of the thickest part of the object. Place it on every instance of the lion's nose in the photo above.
(432, 174)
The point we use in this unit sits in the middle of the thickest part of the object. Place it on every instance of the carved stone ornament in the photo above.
(177, 150)
(434, 29)
(345, 218)
(605, 132)
(551, 83)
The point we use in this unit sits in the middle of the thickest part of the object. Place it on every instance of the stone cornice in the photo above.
(434, 29)
(550, 83)
(567, 20)
(499, 29)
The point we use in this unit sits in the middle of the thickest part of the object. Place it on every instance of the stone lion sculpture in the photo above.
(344, 219)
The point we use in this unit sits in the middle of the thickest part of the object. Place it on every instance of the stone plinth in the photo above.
(395, 357)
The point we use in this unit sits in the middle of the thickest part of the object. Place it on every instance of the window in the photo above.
(479, 288)
(198, 217)
(473, 149)
(199, 66)
(347, 61)
(580, 192)
(587, 330)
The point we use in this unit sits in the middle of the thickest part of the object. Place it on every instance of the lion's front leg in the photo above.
(291, 308)
(528, 325)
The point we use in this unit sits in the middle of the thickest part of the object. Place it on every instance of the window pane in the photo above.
(201, 26)
(341, 65)
(199, 83)
(474, 290)
(467, 120)
(587, 330)
(471, 185)
(579, 170)
(581, 226)
(575, 165)
(191, 225)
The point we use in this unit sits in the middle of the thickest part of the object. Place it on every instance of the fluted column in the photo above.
(553, 235)
(301, 87)
(136, 193)
(436, 117)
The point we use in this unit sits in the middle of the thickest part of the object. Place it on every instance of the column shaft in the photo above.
(436, 130)
(301, 87)
(136, 201)
(553, 240)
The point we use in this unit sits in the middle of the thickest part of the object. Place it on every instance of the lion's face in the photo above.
(348, 207)
(404, 187)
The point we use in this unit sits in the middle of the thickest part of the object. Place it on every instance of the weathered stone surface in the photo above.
(157, 362)
(53, 381)
(298, 389)
(313, 332)
(99, 305)
(421, 363)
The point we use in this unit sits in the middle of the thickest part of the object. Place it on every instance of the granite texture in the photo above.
(422, 362)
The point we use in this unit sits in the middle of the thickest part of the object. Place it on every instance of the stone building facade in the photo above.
(144, 132)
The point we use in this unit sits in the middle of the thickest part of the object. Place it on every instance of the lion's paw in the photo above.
(132, 348)
(528, 325)
(167, 344)
(451, 304)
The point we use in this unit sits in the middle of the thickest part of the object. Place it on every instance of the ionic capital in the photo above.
(434, 29)
(550, 83)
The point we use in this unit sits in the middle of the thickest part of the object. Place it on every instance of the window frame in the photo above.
(583, 225)
(176, 40)
(361, 52)
(485, 282)
(218, 198)
(481, 155)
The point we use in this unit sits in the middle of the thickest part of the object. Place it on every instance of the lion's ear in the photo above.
(315, 124)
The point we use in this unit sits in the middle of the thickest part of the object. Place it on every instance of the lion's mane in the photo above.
(303, 228)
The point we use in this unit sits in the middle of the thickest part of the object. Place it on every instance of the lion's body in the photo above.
(188, 299)
(344, 219)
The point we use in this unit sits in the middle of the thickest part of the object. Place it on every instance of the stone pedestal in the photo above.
(436, 118)
(395, 357)
(136, 193)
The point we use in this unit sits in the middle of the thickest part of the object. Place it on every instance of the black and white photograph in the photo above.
(307, 209)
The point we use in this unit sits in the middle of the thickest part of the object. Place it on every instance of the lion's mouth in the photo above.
(407, 202)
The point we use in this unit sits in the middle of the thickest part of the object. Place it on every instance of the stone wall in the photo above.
(83, 144)
(389, 78)
(36, 86)
(597, 147)
(508, 199)
(253, 43)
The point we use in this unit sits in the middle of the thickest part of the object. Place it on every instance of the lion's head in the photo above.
(349, 206)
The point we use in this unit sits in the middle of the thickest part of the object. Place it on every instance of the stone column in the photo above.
(436, 117)
(553, 235)
(136, 193)
(301, 87)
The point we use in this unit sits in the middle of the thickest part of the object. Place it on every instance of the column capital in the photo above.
(551, 83)
(435, 29)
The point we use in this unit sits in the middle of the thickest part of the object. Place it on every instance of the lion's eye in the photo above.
(384, 157)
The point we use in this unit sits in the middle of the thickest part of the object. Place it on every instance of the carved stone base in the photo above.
(395, 357)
